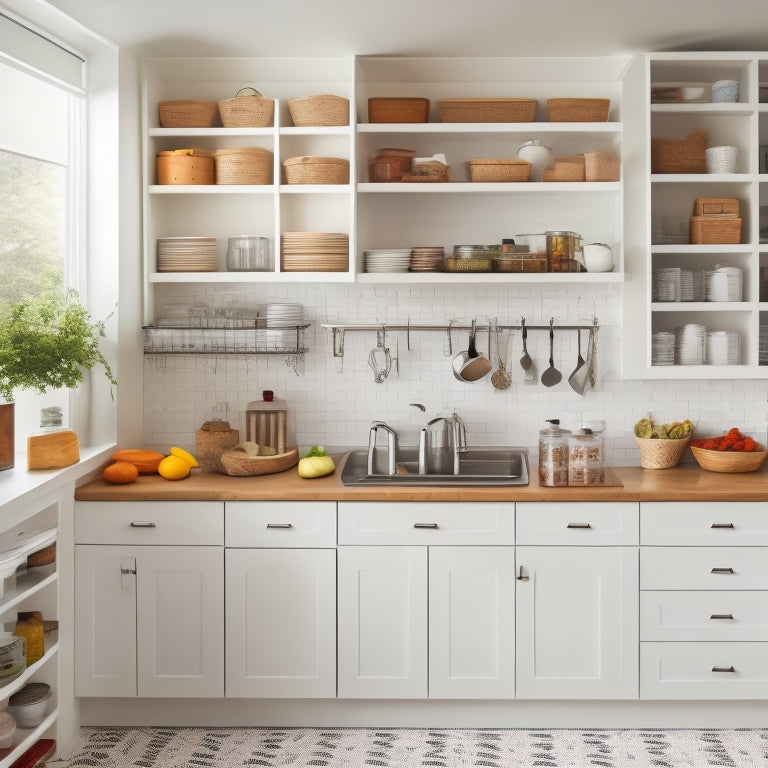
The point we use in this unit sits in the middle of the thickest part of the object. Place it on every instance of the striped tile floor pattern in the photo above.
(413, 747)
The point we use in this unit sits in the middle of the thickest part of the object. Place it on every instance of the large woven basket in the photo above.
(601, 166)
(176, 167)
(688, 155)
(316, 170)
(714, 229)
(321, 109)
(578, 110)
(729, 461)
(189, 113)
(488, 169)
(487, 110)
(247, 165)
(247, 112)
(661, 454)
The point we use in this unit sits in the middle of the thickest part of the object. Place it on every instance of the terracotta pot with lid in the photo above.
(390, 165)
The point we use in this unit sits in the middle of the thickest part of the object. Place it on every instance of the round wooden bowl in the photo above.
(238, 464)
(729, 461)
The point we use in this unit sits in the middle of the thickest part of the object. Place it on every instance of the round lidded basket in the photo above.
(320, 109)
(250, 110)
(316, 170)
(189, 113)
(247, 165)
(661, 454)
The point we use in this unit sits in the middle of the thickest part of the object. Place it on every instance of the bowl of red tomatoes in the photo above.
(730, 452)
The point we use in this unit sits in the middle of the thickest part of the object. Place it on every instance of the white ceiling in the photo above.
(423, 27)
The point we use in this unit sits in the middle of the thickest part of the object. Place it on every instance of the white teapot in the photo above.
(539, 156)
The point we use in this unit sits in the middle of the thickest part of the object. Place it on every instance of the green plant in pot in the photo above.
(46, 342)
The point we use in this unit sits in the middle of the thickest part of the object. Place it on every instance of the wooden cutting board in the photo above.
(53, 450)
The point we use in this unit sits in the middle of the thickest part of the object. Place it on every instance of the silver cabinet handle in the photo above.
(521, 576)
(142, 524)
(721, 616)
(723, 669)
(425, 525)
(722, 570)
(722, 525)
(578, 525)
(127, 570)
(279, 525)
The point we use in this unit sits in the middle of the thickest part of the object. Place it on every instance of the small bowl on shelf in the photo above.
(692, 92)
(28, 705)
(729, 461)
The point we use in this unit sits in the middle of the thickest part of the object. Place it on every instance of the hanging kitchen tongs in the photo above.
(379, 358)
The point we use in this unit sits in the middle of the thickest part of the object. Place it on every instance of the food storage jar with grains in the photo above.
(29, 625)
(553, 455)
(585, 458)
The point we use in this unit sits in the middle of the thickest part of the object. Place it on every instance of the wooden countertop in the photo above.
(686, 482)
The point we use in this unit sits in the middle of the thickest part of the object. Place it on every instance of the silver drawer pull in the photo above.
(142, 524)
(722, 616)
(521, 576)
(722, 525)
(722, 570)
(279, 525)
(425, 525)
(578, 525)
(126, 571)
(723, 669)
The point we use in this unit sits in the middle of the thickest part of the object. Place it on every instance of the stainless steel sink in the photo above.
(477, 466)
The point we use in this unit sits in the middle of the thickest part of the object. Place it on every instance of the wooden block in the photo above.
(53, 450)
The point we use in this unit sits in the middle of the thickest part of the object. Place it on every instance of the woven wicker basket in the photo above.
(578, 110)
(487, 110)
(397, 109)
(688, 155)
(189, 113)
(601, 166)
(708, 230)
(174, 168)
(486, 169)
(729, 461)
(316, 170)
(566, 169)
(247, 165)
(247, 112)
(661, 454)
(707, 206)
(321, 109)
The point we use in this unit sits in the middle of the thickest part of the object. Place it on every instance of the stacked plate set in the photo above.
(722, 348)
(427, 258)
(663, 348)
(677, 284)
(763, 349)
(387, 260)
(724, 284)
(186, 254)
(282, 319)
(690, 344)
(314, 252)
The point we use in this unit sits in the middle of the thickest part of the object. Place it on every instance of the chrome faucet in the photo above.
(458, 433)
(459, 429)
(423, 442)
(391, 459)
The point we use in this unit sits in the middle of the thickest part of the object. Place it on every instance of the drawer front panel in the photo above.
(703, 670)
(689, 523)
(149, 522)
(280, 524)
(706, 615)
(704, 568)
(390, 523)
(569, 523)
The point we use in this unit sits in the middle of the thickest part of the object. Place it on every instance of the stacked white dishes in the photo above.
(387, 260)
(314, 252)
(186, 254)
(690, 343)
(427, 258)
(281, 321)
(722, 348)
(663, 348)
(724, 284)
(763, 349)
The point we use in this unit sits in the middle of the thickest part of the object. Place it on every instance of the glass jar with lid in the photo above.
(585, 458)
(553, 455)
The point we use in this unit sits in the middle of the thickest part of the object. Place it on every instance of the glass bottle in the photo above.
(553, 455)
(29, 625)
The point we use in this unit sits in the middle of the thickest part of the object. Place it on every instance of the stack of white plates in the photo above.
(663, 348)
(763, 351)
(724, 284)
(666, 284)
(690, 343)
(427, 258)
(722, 348)
(314, 252)
(186, 254)
(284, 315)
(387, 260)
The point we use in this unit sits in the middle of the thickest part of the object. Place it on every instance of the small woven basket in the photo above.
(688, 155)
(708, 206)
(578, 110)
(601, 166)
(566, 169)
(321, 109)
(486, 169)
(247, 165)
(316, 170)
(661, 454)
(247, 112)
(487, 110)
(715, 229)
(189, 113)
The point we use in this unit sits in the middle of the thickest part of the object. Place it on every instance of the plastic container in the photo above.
(585, 458)
(553, 455)
(29, 625)
(249, 254)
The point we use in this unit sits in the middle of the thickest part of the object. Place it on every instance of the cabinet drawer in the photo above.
(149, 522)
(591, 523)
(703, 670)
(426, 523)
(704, 568)
(708, 615)
(743, 523)
(280, 524)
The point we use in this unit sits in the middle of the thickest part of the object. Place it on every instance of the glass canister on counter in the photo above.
(585, 458)
(553, 455)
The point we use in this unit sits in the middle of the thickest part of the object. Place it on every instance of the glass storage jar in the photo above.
(553, 455)
(585, 458)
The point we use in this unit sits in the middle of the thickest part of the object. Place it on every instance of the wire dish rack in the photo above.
(217, 339)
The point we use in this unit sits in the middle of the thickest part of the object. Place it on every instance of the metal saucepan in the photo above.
(469, 365)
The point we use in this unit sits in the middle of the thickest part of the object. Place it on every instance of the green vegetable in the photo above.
(648, 429)
(316, 450)
(316, 466)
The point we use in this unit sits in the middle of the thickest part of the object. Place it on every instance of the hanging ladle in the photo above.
(573, 380)
(551, 376)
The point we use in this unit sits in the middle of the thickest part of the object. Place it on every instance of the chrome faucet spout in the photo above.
(391, 449)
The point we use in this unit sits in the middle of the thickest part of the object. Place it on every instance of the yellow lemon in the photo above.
(174, 468)
(186, 455)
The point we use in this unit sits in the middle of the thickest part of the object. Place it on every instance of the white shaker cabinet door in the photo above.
(472, 622)
(382, 622)
(105, 630)
(577, 626)
(281, 623)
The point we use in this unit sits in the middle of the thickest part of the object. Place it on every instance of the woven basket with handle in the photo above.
(247, 112)
(661, 454)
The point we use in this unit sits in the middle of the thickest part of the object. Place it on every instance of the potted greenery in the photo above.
(46, 343)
